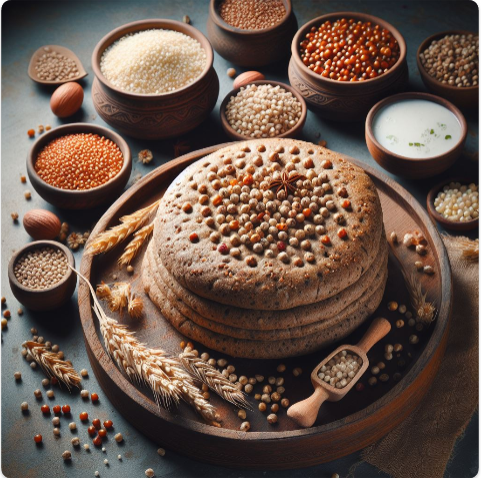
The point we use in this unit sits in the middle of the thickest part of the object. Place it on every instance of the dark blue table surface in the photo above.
(79, 25)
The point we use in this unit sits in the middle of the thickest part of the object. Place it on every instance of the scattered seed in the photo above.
(384, 377)
(272, 418)
(56, 431)
(75, 441)
(393, 237)
(55, 421)
(281, 368)
(413, 339)
(118, 437)
(392, 305)
(399, 323)
(297, 371)
(372, 381)
(186, 19)
(24, 406)
(17, 376)
(66, 455)
(245, 426)
(231, 72)
(83, 372)
(72, 425)
(161, 451)
(28, 195)
(262, 407)
(285, 402)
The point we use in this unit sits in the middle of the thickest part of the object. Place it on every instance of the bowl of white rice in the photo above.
(154, 79)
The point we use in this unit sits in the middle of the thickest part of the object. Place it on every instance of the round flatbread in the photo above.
(269, 224)
(262, 320)
(257, 349)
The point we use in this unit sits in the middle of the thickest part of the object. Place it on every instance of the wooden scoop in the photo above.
(305, 413)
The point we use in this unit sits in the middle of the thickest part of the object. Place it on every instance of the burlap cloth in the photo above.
(421, 446)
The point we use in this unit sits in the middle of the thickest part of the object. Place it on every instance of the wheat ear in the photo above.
(163, 374)
(425, 311)
(135, 244)
(468, 247)
(129, 224)
(52, 365)
(213, 379)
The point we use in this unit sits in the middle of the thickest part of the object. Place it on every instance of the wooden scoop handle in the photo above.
(305, 413)
(379, 328)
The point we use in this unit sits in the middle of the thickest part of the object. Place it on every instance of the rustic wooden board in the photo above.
(341, 428)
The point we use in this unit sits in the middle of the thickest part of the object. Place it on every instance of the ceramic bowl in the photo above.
(155, 116)
(251, 47)
(461, 97)
(345, 100)
(413, 167)
(46, 299)
(78, 199)
(446, 223)
(292, 133)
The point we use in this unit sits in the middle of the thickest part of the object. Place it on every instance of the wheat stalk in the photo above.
(135, 244)
(425, 310)
(119, 297)
(213, 379)
(52, 365)
(468, 247)
(129, 224)
(164, 375)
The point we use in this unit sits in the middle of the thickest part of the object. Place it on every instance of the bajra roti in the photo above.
(226, 230)
(262, 320)
(257, 349)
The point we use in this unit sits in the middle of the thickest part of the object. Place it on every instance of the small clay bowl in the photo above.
(160, 116)
(345, 100)
(462, 97)
(292, 133)
(251, 47)
(45, 299)
(446, 223)
(78, 199)
(414, 168)
(32, 72)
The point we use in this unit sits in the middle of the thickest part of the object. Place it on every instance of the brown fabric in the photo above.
(421, 446)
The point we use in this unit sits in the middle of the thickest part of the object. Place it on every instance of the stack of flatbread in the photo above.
(268, 249)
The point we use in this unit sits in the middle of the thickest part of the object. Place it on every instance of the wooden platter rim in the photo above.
(97, 349)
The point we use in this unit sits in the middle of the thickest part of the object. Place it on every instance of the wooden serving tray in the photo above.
(341, 428)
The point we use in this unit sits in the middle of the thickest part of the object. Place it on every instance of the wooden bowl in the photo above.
(292, 133)
(462, 97)
(32, 73)
(345, 100)
(46, 299)
(155, 116)
(446, 223)
(78, 199)
(251, 47)
(412, 167)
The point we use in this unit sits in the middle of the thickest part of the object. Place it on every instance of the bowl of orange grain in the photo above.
(79, 166)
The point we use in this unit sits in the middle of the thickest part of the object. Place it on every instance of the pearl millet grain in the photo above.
(24, 406)
(245, 426)
(84, 372)
(296, 372)
(84, 393)
(231, 72)
(50, 393)
(72, 425)
(56, 431)
(106, 462)
(66, 455)
(392, 305)
(118, 437)
(55, 421)
(149, 472)
(161, 452)
(4, 323)
(75, 441)
(272, 418)
(242, 414)
(17, 376)
(37, 393)
(458, 203)
(263, 111)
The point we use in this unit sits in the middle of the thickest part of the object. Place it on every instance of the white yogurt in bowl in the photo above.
(416, 128)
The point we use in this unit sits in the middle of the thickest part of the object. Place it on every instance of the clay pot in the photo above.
(414, 168)
(462, 97)
(155, 116)
(345, 100)
(251, 47)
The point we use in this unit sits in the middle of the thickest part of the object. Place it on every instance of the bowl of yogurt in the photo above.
(415, 135)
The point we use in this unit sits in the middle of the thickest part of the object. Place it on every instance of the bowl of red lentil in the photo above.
(449, 66)
(79, 166)
(259, 102)
(345, 62)
(166, 97)
(40, 276)
(251, 32)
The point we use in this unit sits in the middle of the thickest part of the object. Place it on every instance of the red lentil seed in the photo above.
(346, 50)
(37, 438)
(79, 161)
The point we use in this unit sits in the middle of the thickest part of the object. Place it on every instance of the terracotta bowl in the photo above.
(412, 167)
(155, 116)
(292, 133)
(345, 100)
(461, 97)
(46, 299)
(251, 47)
(447, 224)
(77, 199)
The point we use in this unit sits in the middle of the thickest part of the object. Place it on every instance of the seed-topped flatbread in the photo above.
(269, 224)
